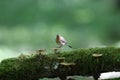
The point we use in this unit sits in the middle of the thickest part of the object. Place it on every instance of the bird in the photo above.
(61, 41)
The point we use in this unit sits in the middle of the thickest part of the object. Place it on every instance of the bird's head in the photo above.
(58, 35)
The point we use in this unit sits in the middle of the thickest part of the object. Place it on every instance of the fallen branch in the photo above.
(85, 62)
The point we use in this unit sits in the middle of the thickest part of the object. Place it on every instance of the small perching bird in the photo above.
(61, 41)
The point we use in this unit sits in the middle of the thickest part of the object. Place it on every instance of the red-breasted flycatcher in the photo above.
(61, 41)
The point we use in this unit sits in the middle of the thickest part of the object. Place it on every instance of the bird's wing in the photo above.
(62, 40)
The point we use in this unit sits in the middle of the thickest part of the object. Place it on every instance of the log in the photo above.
(84, 62)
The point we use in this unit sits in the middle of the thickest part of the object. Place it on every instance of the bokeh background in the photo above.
(27, 25)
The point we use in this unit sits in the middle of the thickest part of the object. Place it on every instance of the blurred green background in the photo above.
(27, 25)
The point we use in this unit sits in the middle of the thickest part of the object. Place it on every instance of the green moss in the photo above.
(38, 66)
(114, 79)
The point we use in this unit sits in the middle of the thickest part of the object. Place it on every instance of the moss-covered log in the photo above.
(83, 62)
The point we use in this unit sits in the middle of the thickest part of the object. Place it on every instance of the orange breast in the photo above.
(57, 39)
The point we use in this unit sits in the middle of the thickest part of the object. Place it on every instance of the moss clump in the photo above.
(86, 64)
(26, 68)
(38, 66)
(114, 79)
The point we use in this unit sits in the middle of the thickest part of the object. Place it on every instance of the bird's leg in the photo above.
(57, 46)
(60, 46)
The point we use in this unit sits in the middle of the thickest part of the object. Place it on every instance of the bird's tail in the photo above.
(69, 46)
